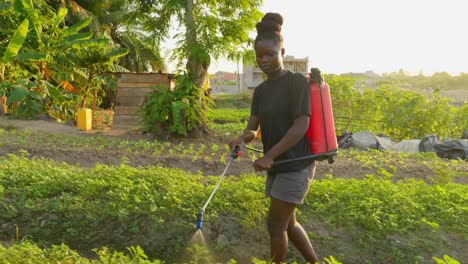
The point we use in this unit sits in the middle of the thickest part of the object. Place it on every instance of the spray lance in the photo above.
(234, 155)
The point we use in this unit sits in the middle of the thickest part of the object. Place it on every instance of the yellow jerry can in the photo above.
(84, 119)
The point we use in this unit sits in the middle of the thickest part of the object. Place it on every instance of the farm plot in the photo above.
(135, 194)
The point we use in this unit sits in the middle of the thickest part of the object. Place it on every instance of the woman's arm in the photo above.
(249, 134)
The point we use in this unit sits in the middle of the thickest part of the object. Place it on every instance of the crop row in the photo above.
(155, 208)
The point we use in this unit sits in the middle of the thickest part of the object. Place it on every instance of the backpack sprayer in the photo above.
(234, 155)
(321, 132)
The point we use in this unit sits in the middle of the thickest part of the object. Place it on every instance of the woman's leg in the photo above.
(301, 241)
(282, 223)
(278, 220)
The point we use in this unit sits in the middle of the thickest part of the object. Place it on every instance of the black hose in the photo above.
(278, 162)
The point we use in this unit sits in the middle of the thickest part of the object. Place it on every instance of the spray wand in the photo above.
(234, 155)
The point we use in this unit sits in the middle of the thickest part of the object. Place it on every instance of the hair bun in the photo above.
(271, 22)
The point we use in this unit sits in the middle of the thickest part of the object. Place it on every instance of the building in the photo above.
(224, 76)
(224, 82)
(253, 76)
(296, 64)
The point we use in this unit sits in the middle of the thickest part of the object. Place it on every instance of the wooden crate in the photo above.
(132, 89)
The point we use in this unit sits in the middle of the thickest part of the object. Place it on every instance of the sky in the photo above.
(340, 36)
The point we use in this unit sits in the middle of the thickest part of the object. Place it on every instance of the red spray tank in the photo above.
(321, 133)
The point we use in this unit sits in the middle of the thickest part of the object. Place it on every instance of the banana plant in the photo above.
(53, 60)
(95, 60)
(25, 88)
(6, 63)
(18, 90)
(82, 58)
(13, 47)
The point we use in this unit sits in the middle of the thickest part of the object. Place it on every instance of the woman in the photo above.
(281, 107)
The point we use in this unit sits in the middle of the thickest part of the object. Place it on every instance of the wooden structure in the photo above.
(132, 89)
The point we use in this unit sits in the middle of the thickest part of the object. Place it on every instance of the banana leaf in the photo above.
(76, 27)
(16, 42)
(61, 13)
(32, 57)
(78, 36)
(17, 95)
(116, 53)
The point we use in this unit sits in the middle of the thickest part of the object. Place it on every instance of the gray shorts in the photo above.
(290, 187)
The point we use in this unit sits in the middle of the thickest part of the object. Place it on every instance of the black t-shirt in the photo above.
(277, 103)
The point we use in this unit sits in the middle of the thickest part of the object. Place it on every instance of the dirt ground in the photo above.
(49, 126)
(343, 167)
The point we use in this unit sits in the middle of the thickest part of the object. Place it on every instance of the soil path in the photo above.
(51, 126)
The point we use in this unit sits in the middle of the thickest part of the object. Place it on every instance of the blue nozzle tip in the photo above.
(200, 219)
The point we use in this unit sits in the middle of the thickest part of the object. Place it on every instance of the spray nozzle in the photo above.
(200, 219)
(236, 152)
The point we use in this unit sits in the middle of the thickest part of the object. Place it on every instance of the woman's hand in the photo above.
(238, 141)
(263, 163)
(248, 135)
(244, 138)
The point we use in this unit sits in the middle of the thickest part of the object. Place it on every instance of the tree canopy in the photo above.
(121, 21)
(206, 29)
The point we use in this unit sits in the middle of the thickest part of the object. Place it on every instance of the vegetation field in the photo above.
(115, 199)
(106, 197)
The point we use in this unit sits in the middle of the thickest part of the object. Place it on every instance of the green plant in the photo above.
(331, 260)
(460, 121)
(229, 115)
(155, 207)
(199, 254)
(30, 252)
(235, 101)
(443, 173)
(18, 91)
(446, 260)
(178, 111)
(58, 68)
(393, 111)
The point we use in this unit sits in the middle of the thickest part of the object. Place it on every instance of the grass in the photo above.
(232, 100)
(230, 115)
(388, 162)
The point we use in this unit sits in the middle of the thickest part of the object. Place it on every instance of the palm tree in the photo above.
(120, 21)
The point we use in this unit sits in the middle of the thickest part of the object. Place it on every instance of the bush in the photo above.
(178, 111)
(395, 112)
